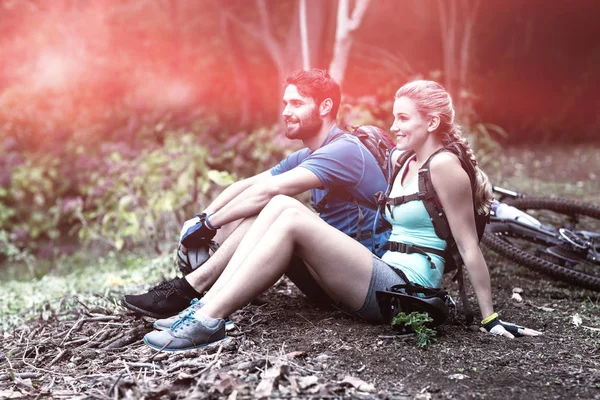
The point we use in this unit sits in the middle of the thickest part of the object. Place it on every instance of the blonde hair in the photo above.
(432, 99)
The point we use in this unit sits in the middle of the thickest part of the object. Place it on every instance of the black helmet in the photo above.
(409, 298)
(190, 259)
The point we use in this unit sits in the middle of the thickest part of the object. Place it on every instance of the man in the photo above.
(343, 177)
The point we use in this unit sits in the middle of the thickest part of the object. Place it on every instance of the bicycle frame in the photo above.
(545, 235)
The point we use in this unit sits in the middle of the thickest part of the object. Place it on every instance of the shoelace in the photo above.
(183, 322)
(165, 288)
(190, 309)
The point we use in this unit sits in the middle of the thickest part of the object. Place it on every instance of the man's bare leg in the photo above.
(171, 297)
(202, 278)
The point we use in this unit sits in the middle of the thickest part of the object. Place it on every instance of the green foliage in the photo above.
(117, 196)
(366, 111)
(98, 282)
(143, 199)
(483, 139)
(15, 254)
(416, 322)
(247, 154)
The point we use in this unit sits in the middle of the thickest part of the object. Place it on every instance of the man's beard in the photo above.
(306, 128)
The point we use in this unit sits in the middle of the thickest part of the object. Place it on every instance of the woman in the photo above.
(346, 270)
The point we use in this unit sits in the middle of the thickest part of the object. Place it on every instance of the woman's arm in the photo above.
(453, 187)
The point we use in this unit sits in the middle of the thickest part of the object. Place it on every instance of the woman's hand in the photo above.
(498, 327)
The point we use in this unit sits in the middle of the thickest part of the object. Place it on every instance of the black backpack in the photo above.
(427, 194)
(376, 140)
(380, 144)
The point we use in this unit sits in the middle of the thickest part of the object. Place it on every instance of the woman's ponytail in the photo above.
(432, 99)
(482, 188)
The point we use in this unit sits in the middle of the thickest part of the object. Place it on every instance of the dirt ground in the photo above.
(288, 348)
(284, 347)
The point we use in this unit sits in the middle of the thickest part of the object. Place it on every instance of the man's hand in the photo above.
(495, 326)
(198, 234)
(189, 223)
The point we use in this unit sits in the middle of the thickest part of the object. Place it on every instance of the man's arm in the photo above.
(234, 190)
(255, 195)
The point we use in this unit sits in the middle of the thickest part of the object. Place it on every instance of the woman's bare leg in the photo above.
(285, 227)
(252, 236)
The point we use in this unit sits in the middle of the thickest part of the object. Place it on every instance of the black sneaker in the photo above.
(162, 301)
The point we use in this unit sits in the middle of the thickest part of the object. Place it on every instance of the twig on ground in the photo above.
(185, 364)
(76, 325)
(212, 363)
(304, 318)
(20, 375)
(143, 365)
(58, 357)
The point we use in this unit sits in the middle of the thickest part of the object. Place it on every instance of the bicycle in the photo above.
(563, 241)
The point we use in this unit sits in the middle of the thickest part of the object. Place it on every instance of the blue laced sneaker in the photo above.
(167, 323)
(186, 334)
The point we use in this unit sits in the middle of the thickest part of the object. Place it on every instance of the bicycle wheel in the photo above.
(546, 255)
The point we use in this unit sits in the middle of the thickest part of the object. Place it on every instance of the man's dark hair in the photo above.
(317, 83)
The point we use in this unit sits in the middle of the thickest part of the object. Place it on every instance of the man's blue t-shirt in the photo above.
(349, 171)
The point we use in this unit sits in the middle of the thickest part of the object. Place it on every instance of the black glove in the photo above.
(493, 324)
(198, 235)
(188, 259)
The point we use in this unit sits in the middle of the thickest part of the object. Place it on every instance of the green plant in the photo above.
(416, 322)
(482, 138)
(14, 253)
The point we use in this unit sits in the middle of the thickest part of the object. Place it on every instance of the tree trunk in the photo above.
(240, 70)
(343, 36)
(304, 34)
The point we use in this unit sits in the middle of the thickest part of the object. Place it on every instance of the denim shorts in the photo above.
(383, 278)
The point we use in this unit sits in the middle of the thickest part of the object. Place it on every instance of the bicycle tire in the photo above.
(562, 206)
(521, 257)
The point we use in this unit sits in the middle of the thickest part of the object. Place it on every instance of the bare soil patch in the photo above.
(286, 347)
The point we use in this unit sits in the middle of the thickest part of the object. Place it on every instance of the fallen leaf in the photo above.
(517, 290)
(307, 381)
(24, 382)
(11, 394)
(576, 320)
(269, 378)
(225, 383)
(359, 384)
(322, 357)
(184, 376)
(457, 377)
(547, 309)
(516, 297)
(293, 354)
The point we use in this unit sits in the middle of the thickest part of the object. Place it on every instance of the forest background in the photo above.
(120, 119)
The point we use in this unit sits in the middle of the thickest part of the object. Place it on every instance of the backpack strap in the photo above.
(437, 215)
(431, 201)
(411, 248)
(344, 195)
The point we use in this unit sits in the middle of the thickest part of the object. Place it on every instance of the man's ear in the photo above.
(325, 107)
(434, 123)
